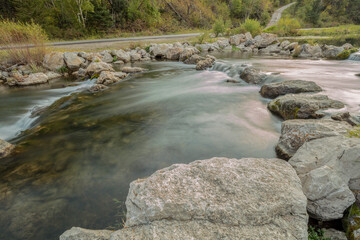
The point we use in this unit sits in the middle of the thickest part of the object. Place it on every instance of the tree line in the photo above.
(78, 18)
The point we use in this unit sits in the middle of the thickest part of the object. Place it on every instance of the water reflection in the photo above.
(87, 148)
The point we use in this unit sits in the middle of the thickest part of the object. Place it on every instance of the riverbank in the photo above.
(252, 75)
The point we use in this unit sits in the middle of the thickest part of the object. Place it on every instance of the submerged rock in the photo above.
(347, 117)
(5, 148)
(274, 90)
(325, 167)
(77, 233)
(294, 133)
(252, 76)
(302, 106)
(97, 88)
(133, 69)
(217, 198)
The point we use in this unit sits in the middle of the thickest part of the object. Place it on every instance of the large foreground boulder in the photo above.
(219, 198)
(294, 133)
(274, 90)
(302, 106)
(326, 166)
(5, 148)
(77, 233)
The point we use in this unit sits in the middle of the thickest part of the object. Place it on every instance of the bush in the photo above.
(252, 26)
(202, 38)
(30, 36)
(316, 234)
(346, 54)
(218, 27)
(286, 27)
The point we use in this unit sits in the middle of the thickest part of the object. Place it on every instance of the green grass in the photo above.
(333, 31)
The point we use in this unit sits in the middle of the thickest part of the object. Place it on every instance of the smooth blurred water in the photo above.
(83, 152)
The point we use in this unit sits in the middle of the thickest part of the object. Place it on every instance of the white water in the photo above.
(12, 124)
(355, 56)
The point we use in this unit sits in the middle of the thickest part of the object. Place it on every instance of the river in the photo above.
(73, 165)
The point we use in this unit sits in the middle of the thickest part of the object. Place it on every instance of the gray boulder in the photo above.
(106, 57)
(97, 68)
(291, 46)
(160, 50)
(274, 90)
(121, 55)
(325, 167)
(294, 133)
(223, 43)
(133, 69)
(54, 61)
(97, 88)
(5, 148)
(237, 39)
(208, 62)
(134, 56)
(354, 120)
(106, 77)
(284, 44)
(194, 59)
(77, 233)
(174, 53)
(53, 75)
(331, 52)
(302, 106)
(187, 53)
(252, 76)
(274, 48)
(308, 51)
(334, 234)
(73, 61)
(219, 198)
(33, 79)
(265, 39)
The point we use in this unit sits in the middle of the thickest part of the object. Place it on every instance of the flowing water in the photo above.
(82, 152)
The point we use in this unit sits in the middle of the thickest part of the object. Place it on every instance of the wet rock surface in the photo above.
(274, 90)
(325, 167)
(302, 106)
(294, 133)
(5, 148)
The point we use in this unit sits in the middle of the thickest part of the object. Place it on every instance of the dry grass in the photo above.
(24, 43)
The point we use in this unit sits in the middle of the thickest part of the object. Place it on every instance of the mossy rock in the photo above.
(351, 222)
(346, 54)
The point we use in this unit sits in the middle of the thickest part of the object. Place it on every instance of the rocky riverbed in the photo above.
(224, 197)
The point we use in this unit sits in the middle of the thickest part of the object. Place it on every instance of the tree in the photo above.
(236, 9)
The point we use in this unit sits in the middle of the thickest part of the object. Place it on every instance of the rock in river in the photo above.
(208, 62)
(219, 198)
(302, 106)
(73, 61)
(33, 79)
(133, 69)
(107, 77)
(98, 67)
(326, 166)
(294, 133)
(77, 233)
(274, 90)
(252, 76)
(5, 148)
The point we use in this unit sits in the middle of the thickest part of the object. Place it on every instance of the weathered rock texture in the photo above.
(77, 233)
(302, 106)
(252, 76)
(218, 198)
(54, 61)
(274, 90)
(325, 167)
(294, 133)
(334, 234)
(5, 148)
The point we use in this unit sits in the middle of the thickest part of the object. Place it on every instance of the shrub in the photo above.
(202, 38)
(316, 234)
(252, 26)
(285, 27)
(346, 54)
(218, 27)
(30, 36)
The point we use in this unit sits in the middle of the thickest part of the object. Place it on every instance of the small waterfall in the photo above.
(355, 56)
(25, 121)
(232, 70)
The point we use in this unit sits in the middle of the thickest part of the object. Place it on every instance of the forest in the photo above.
(74, 19)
